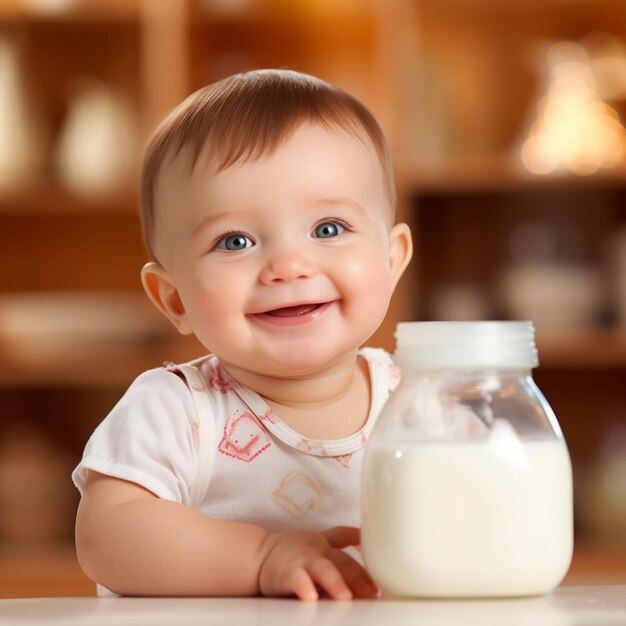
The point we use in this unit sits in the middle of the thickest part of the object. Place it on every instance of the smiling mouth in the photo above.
(294, 315)
(294, 311)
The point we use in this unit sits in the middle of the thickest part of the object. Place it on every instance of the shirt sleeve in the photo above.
(147, 438)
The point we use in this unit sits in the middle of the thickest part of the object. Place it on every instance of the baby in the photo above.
(268, 209)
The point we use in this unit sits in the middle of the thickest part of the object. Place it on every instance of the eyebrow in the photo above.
(209, 219)
(324, 202)
(339, 201)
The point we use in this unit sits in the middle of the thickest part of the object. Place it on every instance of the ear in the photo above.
(400, 251)
(160, 288)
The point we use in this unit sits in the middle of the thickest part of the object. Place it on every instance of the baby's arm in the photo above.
(135, 543)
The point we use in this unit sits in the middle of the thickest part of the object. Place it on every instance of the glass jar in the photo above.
(467, 481)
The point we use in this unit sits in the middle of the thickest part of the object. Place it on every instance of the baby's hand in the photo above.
(299, 562)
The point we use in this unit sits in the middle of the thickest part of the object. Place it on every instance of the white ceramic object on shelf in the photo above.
(557, 297)
(66, 322)
(21, 145)
(50, 7)
(96, 149)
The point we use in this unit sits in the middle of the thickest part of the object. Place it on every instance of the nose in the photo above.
(287, 265)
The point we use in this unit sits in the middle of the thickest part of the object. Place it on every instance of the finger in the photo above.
(327, 575)
(343, 536)
(355, 575)
(299, 582)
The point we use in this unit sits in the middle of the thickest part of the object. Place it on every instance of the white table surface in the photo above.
(567, 606)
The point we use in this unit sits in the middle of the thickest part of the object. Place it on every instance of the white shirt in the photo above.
(192, 434)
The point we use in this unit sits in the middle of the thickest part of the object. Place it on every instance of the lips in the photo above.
(294, 314)
(293, 311)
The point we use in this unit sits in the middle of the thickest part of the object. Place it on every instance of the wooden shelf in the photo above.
(131, 11)
(79, 12)
(294, 15)
(563, 18)
(47, 571)
(51, 197)
(497, 174)
(108, 365)
(504, 9)
(589, 349)
(597, 563)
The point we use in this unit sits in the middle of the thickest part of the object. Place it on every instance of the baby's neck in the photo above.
(329, 404)
(319, 389)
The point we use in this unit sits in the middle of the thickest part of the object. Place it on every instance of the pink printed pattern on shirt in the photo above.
(216, 381)
(244, 438)
(270, 417)
(195, 433)
(309, 446)
(344, 459)
(395, 376)
(298, 493)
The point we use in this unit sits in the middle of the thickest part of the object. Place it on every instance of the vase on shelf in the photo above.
(22, 144)
(96, 146)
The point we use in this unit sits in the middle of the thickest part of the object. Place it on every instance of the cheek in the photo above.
(367, 274)
(208, 298)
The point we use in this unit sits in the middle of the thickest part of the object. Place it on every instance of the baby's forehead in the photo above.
(213, 156)
(186, 175)
(210, 158)
(311, 159)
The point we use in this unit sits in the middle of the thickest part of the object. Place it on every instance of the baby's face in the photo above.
(281, 264)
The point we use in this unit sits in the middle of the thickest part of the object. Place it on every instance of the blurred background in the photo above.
(506, 120)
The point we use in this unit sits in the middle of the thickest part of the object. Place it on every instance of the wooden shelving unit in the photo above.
(452, 67)
(597, 349)
(56, 239)
(100, 11)
(478, 77)
(48, 196)
(105, 366)
(498, 174)
(46, 572)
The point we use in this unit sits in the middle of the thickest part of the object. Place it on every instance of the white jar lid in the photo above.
(466, 344)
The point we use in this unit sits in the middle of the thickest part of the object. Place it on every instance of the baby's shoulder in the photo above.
(381, 363)
(375, 355)
(164, 379)
(202, 374)
(157, 391)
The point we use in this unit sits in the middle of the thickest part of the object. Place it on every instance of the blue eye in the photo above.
(235, 242)
(328, 230)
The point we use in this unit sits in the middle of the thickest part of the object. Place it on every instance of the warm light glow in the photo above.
(574, 129)
(539, 155)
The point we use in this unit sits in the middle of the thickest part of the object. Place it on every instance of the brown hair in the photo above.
(248, 115)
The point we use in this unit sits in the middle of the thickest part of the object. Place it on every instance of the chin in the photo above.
(303, 361)
(299, 365)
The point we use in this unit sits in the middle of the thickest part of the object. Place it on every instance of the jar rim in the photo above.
(509, 344)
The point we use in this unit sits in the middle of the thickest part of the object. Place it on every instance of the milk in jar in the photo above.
(467, 483)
